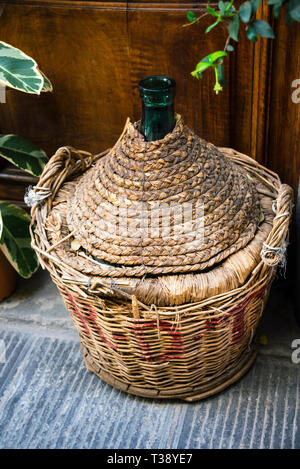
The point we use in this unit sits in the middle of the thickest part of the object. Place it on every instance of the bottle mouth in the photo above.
(156, 84)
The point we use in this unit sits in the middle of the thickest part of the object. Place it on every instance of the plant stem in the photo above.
(196, 20)
(227, 42)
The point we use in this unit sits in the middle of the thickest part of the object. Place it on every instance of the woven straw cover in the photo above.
(132, 185)
(169, 334)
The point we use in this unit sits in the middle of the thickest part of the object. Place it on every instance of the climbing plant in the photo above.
(231, 19)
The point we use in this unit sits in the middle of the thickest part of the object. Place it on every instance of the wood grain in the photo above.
(95, 52)
(94, 59)
(283, 139)
(85, 56)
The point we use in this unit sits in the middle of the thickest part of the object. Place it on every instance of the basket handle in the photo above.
(274, 247)
(64, 162)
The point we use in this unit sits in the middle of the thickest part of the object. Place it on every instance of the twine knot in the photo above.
(273, 256)
(35, 195)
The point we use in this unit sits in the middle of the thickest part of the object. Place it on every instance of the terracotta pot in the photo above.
(8, 277)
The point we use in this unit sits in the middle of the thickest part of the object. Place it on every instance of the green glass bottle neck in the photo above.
(157, 122)
(157, 93)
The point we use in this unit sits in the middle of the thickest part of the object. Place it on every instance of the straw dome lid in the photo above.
(171, 205)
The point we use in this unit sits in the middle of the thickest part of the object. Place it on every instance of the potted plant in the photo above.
(20, 72)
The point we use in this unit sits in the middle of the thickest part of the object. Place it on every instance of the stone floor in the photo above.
(49, 400)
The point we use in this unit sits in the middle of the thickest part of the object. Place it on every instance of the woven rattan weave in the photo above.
(162, 317)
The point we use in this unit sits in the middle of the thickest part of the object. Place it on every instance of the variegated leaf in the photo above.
(15, 239)
(47, 86)
(23, 154)
(18, 70)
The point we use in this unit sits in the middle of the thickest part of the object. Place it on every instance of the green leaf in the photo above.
(277, 4)
(288, 18)
(211, 11)
(234, 28)
(222, 6)
(230, 48)
(23, 154)
(211, 26)
(47, 86)
(206, 62)
(226, 9)
(191, 16)
(211, 58)
(276, 10)
(18, 70)
(255, 4)
(217, 55)
(263, 29)
(201, 66)
(251, 34)
(196, 74)
(15, 239)
(228, 5)
(245, 12)
(221, 74)
(294, 10)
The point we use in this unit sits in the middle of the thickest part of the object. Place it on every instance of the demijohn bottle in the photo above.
(157, 93)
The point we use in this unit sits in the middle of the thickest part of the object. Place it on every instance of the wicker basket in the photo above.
(162, 327)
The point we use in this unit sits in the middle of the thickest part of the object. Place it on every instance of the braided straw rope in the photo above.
(135, 181)
(187, 335)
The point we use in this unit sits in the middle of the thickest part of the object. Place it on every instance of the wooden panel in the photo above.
(172, 50)
(95, 58)
(95, 52)
(284, 136)
(85, 55)
(108, 4)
